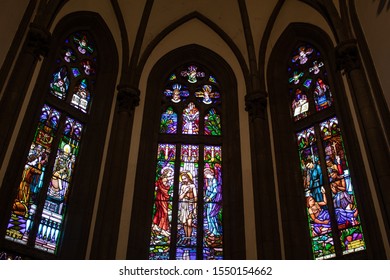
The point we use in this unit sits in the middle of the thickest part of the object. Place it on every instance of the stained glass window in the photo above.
(332, 212)
(187, 210)
(308, 80)
(41, 201)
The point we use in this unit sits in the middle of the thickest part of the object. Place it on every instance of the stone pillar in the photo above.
(349, 61)
(268, 240)
(35, 46)
(110, 204)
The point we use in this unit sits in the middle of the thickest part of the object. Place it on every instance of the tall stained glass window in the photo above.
(41, 197)
(186, 221)
(332, 212)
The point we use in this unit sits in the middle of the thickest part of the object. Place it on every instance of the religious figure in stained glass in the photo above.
(60, 83)
(168, 123)
(191, 119)
(81, 96)
(69, 55)
(302, 55)
(206, 94)
(316, 67)
(322, 95)
(192, 74)
(295, 78)
(192, 193)
(177, 94)
(162, 209)
(187, 204)
(319, 215)
(56, 174)
(213, 198)
(163, 186)
(300, 105)
(82, 44)
(87, 67)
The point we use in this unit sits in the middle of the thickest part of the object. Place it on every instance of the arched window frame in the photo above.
(81, 200)
(289, 175)
(140, 226)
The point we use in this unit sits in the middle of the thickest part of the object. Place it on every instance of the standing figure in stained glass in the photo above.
(212, 199)
(187, 205)
(163, 185)
(190, 119)
(315, 173)
(58, 186)
(22, 200)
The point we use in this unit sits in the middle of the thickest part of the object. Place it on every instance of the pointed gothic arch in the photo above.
(289, 122)
(227, 139)
(76, 86)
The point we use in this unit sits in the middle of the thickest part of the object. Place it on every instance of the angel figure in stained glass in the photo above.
(206, 94)
(295, 78)
(88, 69)
(176, 93)
(316, 67)
(302, 55)
(69, 56)
(82, 45)
(192, 74)
(60, 83)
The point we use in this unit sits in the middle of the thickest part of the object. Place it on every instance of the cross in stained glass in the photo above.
(192, 74)
(206, 94)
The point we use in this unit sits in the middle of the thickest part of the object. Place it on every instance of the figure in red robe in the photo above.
(163, 185)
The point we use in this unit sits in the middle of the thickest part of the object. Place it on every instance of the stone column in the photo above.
(268, 243)
(35, 46)
(110, 205)
(349, 61)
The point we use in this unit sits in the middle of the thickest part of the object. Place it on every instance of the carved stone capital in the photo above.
(347, 56)
(128, 98)
(256, 104)
(38, 40)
